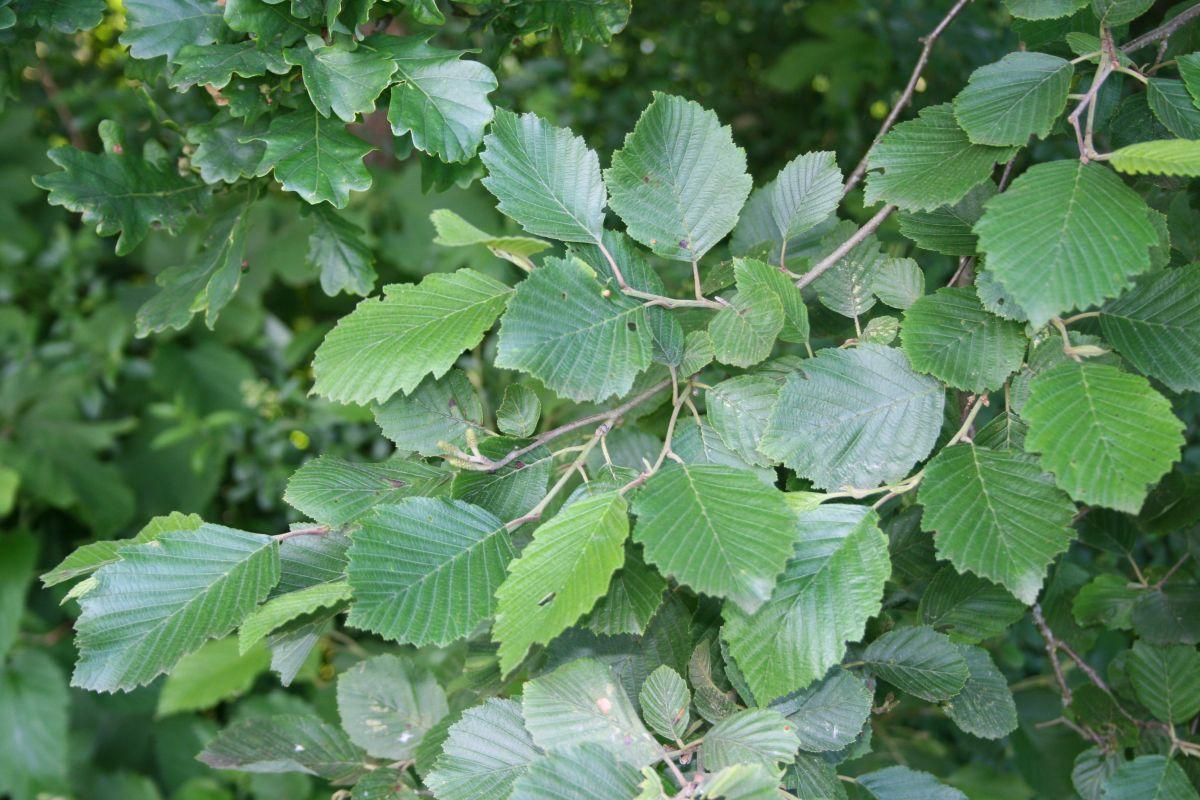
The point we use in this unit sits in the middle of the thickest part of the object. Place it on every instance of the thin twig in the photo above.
(319, 530)
(1052, 653)
(550, 435)
(60, 108)
(536, 512)
(928, 42)
(658, 299)
(869, 227)
(1171, 571)
(1163, 31)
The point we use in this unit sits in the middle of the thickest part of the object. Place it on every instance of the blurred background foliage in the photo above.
(99, 430)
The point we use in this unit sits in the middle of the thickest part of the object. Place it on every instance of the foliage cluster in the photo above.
(649, 479)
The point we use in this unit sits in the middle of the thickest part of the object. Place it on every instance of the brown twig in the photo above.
(869, 227)
(1052, 653)
(1163, 31)
(928, 42)
(60, 108)
(318, 530)
(488, 465)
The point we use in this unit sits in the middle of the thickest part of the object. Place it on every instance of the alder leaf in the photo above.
(544, 177)
(948, 229)
(90, 557)
(390, 344)
(985, 706)
(752, 736)
(583, 703)
(633, 598)
(1043, 9)
(668, 204)
(387, 703)
(519, 411)
(1065, 235)
(1166, 680)
(738, 410)
(289, 743)
(902, 783)
(805, 192)
(968, 608)
(439, 413)
(335, 491)
(1156, 326)
(486, 751)
(857, 417)
(831, 586)
(580, 772)
(717, 529)
(744, 332)
(1159, 157)
(920, 661)
(278, 611)
(562, 329)
(560, 575)
(165, 598)
(424, 571)
(454, 231)
(830, 713)
(315, 157)
(929, 162)
(1150, 776)
(996, 514)
(948, 334)
(1106, 435)
(1019, 96)
(664, 699)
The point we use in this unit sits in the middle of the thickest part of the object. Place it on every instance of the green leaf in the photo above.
(1166, 680)
(337, 249)
(214, 673)
(387, 704)
(1173, 106)
(389, 344)
(221, 155)
(215, 64)
(454, 231)
(899, 282)
(950, 336)
(753, 736)
(744, 332)
(207, 283)
(315, 157)
(920, 661)
(266, 21)
(948, 229)
(1107, 600)
(743, 782)
(679, 181)
(664, 699)
(579, 772)
(165, 598)
(438, 98)
(828, 715)
(561, 329)
(633, 597)
(831, 586)
(1118, 12)
(578, 21)
(738, 410)
(997, 514)
(90, 557)
(719, 530)
(164, 27)
(1043, 9)
(857, 417)
(545, 178)
(120, 193)
(813, 776)
(847, 286)
(583, 703)
(1019, 96)
(968, 608)
(929, 162)
(34, 704)
(439, 413)
(1159, 157)
(698, 443)
(559, 576)
(424, 570)
(18, 557)
(278, 611)
(902, 783)
(805, 192)
(520, 411)
(985, 706)
(1149, 778)
(1156, 326)
(62, 16)
(1105, 434)
(291, 743)
(511, 490)
(1065, 235)
(485, 753)
(342, 81)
